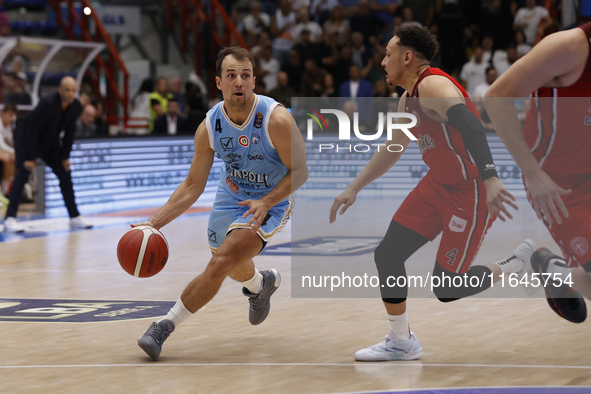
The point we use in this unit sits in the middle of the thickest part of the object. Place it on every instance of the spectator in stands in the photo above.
(159, 100)
(360, 54)
(380, 89)
(304, 23)
(7, 165)
(194, 97)
(281, 25)
(473, 72)
(337, 23)
(174, 88)
(102, 126)
(84, 99)
(364, 21)
(263, 40)
(356, 86)
(520, 45)
(495, 20)
(487, 49)
(308, 49)
(256, 22)
(328, 52)
(260, 88)
(321, 9)
(408, 17)
(481, 89)
(502, 60)
(341, 73)
(374, 71)
(528, 19)
(422, 11)
(328, 88)
(451, 23)
(140, 107)
(283, 92)
(312, 79)
(171, 123)
(294, 68)
(38, 135)
(267, 68)
(85, 127)
(15, 93)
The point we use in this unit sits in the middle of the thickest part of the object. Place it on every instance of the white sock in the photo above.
(178, 313)
(254, 284)
(512, 265)
(399, 326)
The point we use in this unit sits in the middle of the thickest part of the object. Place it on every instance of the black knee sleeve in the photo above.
(453, 286)
(398, 245)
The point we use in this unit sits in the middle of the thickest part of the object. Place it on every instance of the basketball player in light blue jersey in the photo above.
(264, 161)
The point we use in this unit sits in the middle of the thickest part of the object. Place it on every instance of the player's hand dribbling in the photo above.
(546, 197)
(258, 210)
(496, 198)
(346, 198)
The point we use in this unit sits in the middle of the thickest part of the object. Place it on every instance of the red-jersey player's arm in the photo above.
(440, 98)
(557, 61)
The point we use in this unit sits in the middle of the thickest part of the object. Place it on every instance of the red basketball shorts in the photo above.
(458, 211)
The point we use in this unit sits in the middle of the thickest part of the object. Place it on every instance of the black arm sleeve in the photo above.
(474, 136)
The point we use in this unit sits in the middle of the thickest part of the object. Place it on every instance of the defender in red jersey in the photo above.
(553, 152)
(460, 196)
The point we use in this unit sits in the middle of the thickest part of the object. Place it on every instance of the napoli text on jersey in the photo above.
(252, 166)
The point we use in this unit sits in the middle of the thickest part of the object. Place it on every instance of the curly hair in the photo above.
(419, 39)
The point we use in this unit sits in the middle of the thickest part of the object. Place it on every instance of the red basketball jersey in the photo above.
(441, 145)
(558, 128)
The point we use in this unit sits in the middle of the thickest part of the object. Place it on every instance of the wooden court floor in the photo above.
(305, 346)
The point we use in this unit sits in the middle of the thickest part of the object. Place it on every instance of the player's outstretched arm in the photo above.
(440, 95)
(379, 164)
(289, 143)
(556, 61)
(192, 187)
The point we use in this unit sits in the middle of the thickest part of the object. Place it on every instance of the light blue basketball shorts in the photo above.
(226, 216)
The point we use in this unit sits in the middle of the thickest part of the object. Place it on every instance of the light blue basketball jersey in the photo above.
(252, 167)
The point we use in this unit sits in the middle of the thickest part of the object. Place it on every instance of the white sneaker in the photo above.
(12, 226)
(391, 349)
(80, 222)
(524, 252)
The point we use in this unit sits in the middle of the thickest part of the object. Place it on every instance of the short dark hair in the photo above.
(10, 107)
(419, 39)
(488, 69)
(239, 53)
(173, 100)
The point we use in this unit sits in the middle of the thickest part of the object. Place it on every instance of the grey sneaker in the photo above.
(151, 342)
(260, 304)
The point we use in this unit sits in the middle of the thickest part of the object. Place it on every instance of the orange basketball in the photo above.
(142, 251)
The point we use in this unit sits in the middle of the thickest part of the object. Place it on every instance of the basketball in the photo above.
(142, 251)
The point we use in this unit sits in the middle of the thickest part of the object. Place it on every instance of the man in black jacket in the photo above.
(37, 135)
(171, 123)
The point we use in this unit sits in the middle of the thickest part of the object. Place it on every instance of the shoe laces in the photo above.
(159, 333)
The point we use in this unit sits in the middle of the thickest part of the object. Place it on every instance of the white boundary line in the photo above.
(162, 365)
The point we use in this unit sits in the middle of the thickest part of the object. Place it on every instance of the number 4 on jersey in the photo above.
(218, 126)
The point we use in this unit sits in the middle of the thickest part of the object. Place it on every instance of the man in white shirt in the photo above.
(491, 76)
(528, 19)
(256, 21)
(304, 23)
(473, 72)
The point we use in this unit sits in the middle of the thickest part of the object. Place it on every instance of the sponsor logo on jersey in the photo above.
(227, 143)
(587, 121)
(255, 138)
(234, 187)
(255, 156)
(457, 225)
(258, 120)
(232, 157)
(579, 246)
(250, 177)
(252, 194)
(425, 143)
(79, 311)
(212, 235)
(243, 140)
